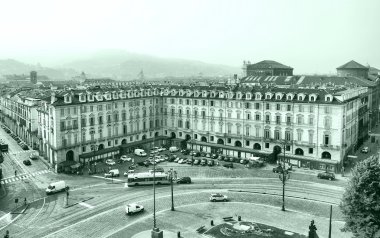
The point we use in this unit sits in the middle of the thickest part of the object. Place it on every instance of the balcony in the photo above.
(330, 147)
(304, 143)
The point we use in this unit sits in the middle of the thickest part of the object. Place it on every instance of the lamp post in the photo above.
(156, 233)
(171, 176)
(284, 176)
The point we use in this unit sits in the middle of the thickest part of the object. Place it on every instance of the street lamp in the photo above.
(172, 174)
(156, 233)
(284, 176)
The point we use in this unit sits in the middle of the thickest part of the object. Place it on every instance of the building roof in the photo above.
(268, 64)
(302, 81)
(352, 65)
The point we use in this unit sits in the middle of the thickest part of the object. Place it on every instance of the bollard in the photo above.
(179, 234)
(239, 218)
(212, 222)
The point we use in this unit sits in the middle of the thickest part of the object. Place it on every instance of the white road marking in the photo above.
(107, 178)
(86, 205)
(125, 185)
(30, 221)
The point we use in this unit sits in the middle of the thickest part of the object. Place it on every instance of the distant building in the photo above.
(266, 68)
(33, 77)
(353, 68)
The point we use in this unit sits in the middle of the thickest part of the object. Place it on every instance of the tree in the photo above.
(360, 204)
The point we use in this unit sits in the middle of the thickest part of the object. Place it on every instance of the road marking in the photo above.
(37, 213)
(126, 185)
(22, 176)
(86, 205)
(95, 176)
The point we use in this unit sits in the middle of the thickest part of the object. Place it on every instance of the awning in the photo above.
(228, 147)
(75, 166)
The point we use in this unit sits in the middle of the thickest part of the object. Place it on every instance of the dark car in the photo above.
(142, 163)
(196, 161)
(27, 162)
(221, 157)
(326, 175)
(25, 147)
(190, 161)
(203, 154)
(184, 180)
(185, 152)
(230, 165)
(226, 159)
(197, 154)
(204, 162)
(278, 169)
(211, 162)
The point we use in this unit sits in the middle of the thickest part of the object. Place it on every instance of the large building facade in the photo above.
(316, 127)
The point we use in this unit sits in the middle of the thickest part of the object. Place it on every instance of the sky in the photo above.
(311, 36)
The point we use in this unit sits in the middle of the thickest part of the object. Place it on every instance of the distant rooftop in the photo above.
(268, 64)
(352, 65)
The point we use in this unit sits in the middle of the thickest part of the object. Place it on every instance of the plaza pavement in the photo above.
(187, 219)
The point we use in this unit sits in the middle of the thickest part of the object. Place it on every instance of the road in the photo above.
(95, 209)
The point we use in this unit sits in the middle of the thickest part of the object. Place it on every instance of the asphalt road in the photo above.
(93, 210)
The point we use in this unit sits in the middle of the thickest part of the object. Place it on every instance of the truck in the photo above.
(56, 187)
(140, 152)
(173, 149)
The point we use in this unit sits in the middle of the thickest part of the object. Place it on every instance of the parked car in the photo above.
(214, 156)
(193, 153)
(230, 165)
(226, 159)
(211, 162)
(181, 161)
(189, 161)
(326, 175)
(125, 158)
(204, 162)
(365, 150)
(232, 159)
(208, 155)
(161, 149)
(133, 208)
(221, 157)
(184, 180)
(203, 154)
(243, 161)
(110, 162)
(27, 162)
(158, 169)
(25, 147)
(196, 161)
(197, 154)
(34, 157)
(176, 160)
(218, 197)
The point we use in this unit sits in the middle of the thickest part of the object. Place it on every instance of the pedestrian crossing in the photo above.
(23, 176)
(18, 152)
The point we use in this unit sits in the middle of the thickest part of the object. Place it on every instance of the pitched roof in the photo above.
(352, 65)
(268, 64)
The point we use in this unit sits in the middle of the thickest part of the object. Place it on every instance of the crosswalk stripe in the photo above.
(86, 205)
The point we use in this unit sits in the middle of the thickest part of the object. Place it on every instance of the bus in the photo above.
(146, 178)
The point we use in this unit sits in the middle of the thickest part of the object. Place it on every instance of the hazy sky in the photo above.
(311, 36)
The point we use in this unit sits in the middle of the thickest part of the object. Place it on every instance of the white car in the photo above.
(133, 208)
(218, 197)
(161, 149)
(110, 162)
(365, 150)
(125, 158)
(181, 161)
(128, 172)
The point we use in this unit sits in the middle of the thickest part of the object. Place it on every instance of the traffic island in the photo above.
(246, 229)
(72, 201)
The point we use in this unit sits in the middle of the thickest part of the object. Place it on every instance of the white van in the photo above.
(173, 149)
(112, 173)
(133, 208)
(56, 187)
(140, 152)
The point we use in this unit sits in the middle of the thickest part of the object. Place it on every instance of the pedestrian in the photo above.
(15, 173)
(25, 201)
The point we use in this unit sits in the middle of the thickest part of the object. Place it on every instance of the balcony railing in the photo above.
(331, 147)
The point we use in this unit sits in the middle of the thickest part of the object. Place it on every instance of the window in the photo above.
(92, 121)
(310, 150)
(229, 140)
(289, 107)
(83, 148)
(247, 130)
(287, 135)
(248, 116)
(257, 132)
(311, 136)
(212, 103)
(311, 109)
(299, 135)
(247, 105)
(288, 120)
(62, 112)
(257, 117)
(211, 138)
(229, 126)
(247, 143)
(299, 119)
(266, 133)
(278, 107)
(238, 127)
(326, 139)
(327, 123)
(257, 105)
(229, 114)
(204, 102)
(267, 106)
(238, 115)
(278, 120)
(267, 119)
(277, 134)
(311, 120)
(83, 122)
(327, 110)
(266, 145)
(195, 102)
(109, 143)
(180, 101)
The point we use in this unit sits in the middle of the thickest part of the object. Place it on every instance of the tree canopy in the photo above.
(361, 201)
